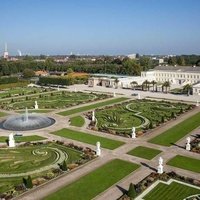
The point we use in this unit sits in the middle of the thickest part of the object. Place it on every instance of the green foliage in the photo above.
(63, 166)
(131, 191)
(55, 81)
(7, 80)
(28, 182)
(28, 73)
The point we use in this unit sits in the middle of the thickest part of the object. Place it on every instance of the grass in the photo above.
(36, 111)
(92, 184)
(184, 162)
(144, 152)
(88, 138)
(22, 159)
(2, 114)
(174, 191)
(78, 121)
(50, 100)
(93, 106)
(23, 138)
(175, 133)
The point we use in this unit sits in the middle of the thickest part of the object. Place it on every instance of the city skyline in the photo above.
(114, 28)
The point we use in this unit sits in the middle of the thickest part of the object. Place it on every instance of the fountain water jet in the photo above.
(27, 121)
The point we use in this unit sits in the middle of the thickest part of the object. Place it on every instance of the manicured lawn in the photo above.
(93, 106)
(184, 162)
(174, 191)
(175, 133)
(144, 152)
(42, 158)
(78, 121)
(37, 111)
(50, 100)
(23, 138)
(92, 184)
(88, 138)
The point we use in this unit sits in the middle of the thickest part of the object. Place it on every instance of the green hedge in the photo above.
(7, 80)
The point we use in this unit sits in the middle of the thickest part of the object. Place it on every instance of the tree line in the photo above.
(107, 64)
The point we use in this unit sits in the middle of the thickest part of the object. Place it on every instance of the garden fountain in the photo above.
(27, 121)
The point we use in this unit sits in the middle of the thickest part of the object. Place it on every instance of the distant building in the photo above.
(41, 73)
(132, 56)
(5, 54)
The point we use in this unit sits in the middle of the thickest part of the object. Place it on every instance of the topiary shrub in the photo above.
(131, 191)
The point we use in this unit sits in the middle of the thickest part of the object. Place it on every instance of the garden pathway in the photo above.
(114, 192)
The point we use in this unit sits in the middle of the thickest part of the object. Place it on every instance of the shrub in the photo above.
(131, 191)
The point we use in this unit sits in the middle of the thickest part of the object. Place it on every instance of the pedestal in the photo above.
(98, 152)
(36, 107)
(11, 143)
(160, 169)
(188, 147)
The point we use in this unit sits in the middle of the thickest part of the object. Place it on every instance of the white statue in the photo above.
(36, 105)
(58, 88)
(139, 97)
(75, 90)
(98, 148)
(160, 166)
(197, 104)
(11, 141)
(133, 135)
(114, 95)
(188, 145)
(93, 116)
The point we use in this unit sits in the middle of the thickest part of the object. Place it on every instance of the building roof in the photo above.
(177, 68)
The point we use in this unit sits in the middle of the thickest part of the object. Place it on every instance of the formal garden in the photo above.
(50, 100)
(22, 91)
(40, 162)
(141, 114)
(168, 186)
(97, 181)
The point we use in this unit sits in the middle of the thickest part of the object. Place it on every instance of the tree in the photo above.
(187, 89)
(131, 191)
(181, 61)
(28, 73)
(146, 63)
(146, 84)
(166, 85)
(153, 84)
(69, 71)
(133, 84)
(28, 182)
(116, 83)
(63, 166)
(131, 67)
(172, 60)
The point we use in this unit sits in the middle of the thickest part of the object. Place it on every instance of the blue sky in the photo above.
(100, 26)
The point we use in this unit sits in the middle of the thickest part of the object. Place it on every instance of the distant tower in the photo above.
(5, 54)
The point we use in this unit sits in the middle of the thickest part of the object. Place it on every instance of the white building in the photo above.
(196, 88)
(180, 75)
